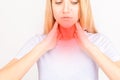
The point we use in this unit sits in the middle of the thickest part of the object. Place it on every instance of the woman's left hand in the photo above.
(81, 37)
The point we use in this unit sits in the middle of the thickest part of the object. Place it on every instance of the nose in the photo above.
(66, 8)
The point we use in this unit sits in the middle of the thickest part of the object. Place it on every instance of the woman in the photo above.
(70, 49)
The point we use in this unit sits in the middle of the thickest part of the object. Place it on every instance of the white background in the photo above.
(22, 19)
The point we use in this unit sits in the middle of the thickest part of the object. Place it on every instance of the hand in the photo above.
(81, 37)
(52, 37)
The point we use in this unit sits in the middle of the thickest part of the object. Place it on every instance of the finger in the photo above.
(75, 36)
(54, 29)
(55, 26)
(59, 35)
(78, 27)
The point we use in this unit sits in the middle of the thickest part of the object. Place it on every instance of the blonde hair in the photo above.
(85, 16)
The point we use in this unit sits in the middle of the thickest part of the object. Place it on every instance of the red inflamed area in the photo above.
(67, 32)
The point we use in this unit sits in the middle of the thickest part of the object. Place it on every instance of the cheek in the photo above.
(76, 14)
(56, 13)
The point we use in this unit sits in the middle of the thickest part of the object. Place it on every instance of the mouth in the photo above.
(66, 18)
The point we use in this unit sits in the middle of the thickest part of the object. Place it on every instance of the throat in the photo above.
(67, 33)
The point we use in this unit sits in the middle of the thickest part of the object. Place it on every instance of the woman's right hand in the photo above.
(16, 66)
(52, 37)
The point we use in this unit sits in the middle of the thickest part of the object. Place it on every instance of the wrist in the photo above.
(89, 47)
(45, 45)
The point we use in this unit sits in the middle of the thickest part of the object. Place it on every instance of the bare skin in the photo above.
(68, 8)
(15, 70)
(111, 69)
(16, 66)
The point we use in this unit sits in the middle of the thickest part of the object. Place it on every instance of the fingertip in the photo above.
(78, 26)
(56, 22)
(74, 35)
(59, 36)
(55, 26)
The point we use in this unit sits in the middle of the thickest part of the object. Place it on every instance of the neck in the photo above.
(67, 33)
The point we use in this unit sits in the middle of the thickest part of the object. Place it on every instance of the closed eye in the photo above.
(74, 2)
(58, 2)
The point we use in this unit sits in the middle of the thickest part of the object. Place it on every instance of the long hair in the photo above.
(85, 16)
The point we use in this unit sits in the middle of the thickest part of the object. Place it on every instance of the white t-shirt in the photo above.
(67, 61)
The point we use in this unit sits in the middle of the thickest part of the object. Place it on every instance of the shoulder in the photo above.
(32, 42)
(36, 38)
(105, 45)
(39, 37)
(28, 46)
(98, 38)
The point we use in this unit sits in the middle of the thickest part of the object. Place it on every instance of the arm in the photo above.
(111, 69)
(16, 69)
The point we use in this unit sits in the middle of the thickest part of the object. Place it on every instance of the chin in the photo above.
(66, 25)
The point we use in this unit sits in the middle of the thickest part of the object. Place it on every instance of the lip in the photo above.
(66, 18)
